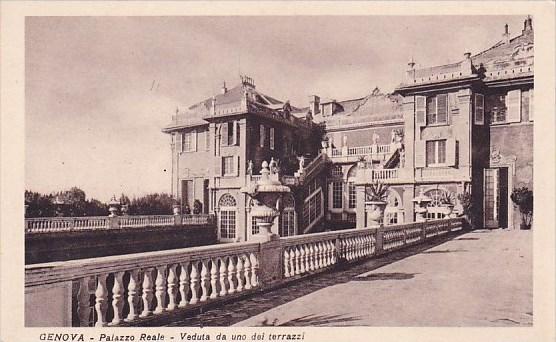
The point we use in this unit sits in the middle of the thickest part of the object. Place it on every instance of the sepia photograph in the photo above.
(283, 170)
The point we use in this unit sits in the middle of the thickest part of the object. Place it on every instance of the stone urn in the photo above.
(266, 194)
(421, 203)
(448, 210)
(375, 213)
(113, 207)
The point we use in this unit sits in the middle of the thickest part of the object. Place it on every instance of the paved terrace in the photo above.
(480, 278)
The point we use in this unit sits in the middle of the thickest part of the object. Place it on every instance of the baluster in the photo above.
(328, 250)
(286, 263)
(307, 258)
(254, 270)
(160, 289)
(184, 284)
(205, 277)
(292, 261)
(132, 297)
(84, 302)
(239, 274)
(147, 292)
(297, 255)
(311, 254)
(231, 273)
(247, 271)
(351, 249)
(101, 305)
(213, 278)
(194, 283)
(223, 277)
(172, 288)
(302, 258)
(117, 300)
(322, 255)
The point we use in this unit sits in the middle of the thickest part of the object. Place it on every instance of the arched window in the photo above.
(392, 213)
(352, 197)
(227, 206)
(288, 218)
(434, 209)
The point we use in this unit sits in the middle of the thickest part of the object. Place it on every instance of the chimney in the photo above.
(314, 104)
(224, 89)
(506, 35)
(410, 73)
(466, 65)
(527, 25)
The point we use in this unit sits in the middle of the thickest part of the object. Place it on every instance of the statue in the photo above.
(301, 163)
(376, 137)
(273, 166)
(250, 168)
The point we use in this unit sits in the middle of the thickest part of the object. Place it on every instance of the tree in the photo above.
(39, 205)
(152, 204)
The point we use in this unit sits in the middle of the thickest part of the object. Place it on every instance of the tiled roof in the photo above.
(373, 108)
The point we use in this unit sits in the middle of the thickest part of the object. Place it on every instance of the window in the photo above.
(337, 171)
(437, 109)
(271, 138)
(352, 199)
(287, 226)
(188, 142)
(479, 109)
(228, 165)
(227, 206)
(262, 135)
(230, 133)
(227, 224)
(337, 195)
(436, 152)
(254, 226)
(312, 209)
(207, 140)
(187, 192)
(497, 108)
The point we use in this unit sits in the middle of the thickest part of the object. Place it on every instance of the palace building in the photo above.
(446, 130)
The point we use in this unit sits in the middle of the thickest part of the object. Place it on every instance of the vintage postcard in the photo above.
(277, 171)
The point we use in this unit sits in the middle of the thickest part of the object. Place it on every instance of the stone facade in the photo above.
(445, 130)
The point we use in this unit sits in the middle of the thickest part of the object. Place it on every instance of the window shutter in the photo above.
(513, 105)
(453, 103)
(272, 138)
(234, 133)
(224, 134)
(262, 135)
(531, 107)
(218, 166)
(442, 108)
(420, 110)
(194, 141)
(420, 153)
(479, 109)
(179, 142)
(237, 166)
(451, 152)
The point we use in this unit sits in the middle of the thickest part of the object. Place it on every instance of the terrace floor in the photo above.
(480, 278)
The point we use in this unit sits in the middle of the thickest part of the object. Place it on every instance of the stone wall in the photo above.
(60, 246)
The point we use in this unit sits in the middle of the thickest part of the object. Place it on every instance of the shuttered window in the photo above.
(436, 152)
(513, 104)
(262, 135)
(420, 110)
(479, 109)
(437, 109)
(189, 142)
(531, 107)
(228, 165)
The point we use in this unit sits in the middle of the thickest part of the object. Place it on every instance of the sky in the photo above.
(99, 89)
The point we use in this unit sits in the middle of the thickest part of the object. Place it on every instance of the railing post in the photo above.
(113, 222)
(379, 247)
(423, 230)
(270, 263)
(177, 219)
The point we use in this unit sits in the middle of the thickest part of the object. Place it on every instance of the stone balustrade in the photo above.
(129, 289)
(378, 152)
(66, 224)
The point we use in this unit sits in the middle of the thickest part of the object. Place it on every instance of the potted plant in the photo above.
(376, 195)
(523, 199)
(466, 201)
(197, 207)
(447, 202)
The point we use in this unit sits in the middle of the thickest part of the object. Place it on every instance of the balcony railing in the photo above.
(128, 289)
(380, 151)
(67, 224)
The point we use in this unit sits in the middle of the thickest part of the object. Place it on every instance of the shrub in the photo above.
(523, 199)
